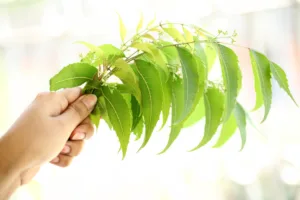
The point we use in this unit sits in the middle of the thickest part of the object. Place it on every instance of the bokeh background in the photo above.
(36, 40)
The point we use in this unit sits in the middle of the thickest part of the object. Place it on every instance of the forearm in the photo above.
(9, 172)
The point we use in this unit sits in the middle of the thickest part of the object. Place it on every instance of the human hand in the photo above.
(51, 129)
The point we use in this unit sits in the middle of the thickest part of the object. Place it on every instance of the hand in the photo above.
(51, 129)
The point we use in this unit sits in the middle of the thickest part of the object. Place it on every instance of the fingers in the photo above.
(79, 110)
(68, 96)
(85, 130)
(62, 160)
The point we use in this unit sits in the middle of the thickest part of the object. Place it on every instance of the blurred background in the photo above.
(36, 40)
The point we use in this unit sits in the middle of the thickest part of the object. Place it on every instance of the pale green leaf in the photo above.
(151, 22)
(240, 116)
(230, 67)
(177, 109)
(103, 111)
(119, 116)
(191, 82)
(99, 52)
(122, 28)
(136, 112)
(262, 80)
(211, 56)
(126, 74)
(148, 36)
(96, 115)
(197, 114)
(152, 96)
(281, 79)
(140, 24)
(228, 130)
(214, 107)
(174, 33)
(72, 75)
(188, 37)
(145, 47)
(138, 131)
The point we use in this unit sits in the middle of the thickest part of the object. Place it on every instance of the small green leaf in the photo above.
(177, 109)
(138, 131)
(174, 33)
(197, 114)
(281, 79)
(262, 81)
(211, 56)
(122, 27)
(230, 67)
(188, 37)
(240, 116)
(111, 53)
(126, 74)
(103, 111)
(148, 36)
(151, 22)
(214, 107)
(72, 75)
(228, 129)
(140, 24)
(119, 115)
(143, 47)
(136, 112)
(95, 116)
(191, 83)
(92, 48)
(152, 96)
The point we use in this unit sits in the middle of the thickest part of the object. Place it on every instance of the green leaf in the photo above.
(138, 131)
(95, 116)
(151, 22)
(230, 67)
(136, 112)
(191, 82)
(119, 115)
(262, 81)
(126, 74)
(197, 114)
(92, 48)
(214, 107)
(177, 109)
(152, 96)
(72, 75)
(228, 129)
(103, 111)
(240, 116)
(281, 79)
(122, 28)
(148, 36)
(174, 33)
(111, 53)
(143, 47)
(171, 54)
(188, 37)
(211, 56)
(140, 24)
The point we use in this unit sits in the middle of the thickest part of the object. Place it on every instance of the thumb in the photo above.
(79, 110)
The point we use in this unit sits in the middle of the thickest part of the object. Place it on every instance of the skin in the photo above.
(52, 129)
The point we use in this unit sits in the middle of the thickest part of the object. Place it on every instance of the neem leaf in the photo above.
(96, 115)
(211, 56)
(228, 129)
(152, 96)
(148, 36)
(281, 79)
(138, 130)
(136, 112)
(119, 115)
(188, 37)
(230, 67)
(240, 116)
(214, 107)
(197, 114)
(140, 24)
(122, 27)
(174, 33)
(72, 75)
(262, 80)
(92, 48)
(111, 53)
(126, 74)
(151, 22)
(190, 82)
(177, 109)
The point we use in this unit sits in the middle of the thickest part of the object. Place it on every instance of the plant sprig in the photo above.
(161, 72)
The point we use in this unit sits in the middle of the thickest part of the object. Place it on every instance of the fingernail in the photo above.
(55, 160)
(66, 149)
(79, 136)
(90, 100)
